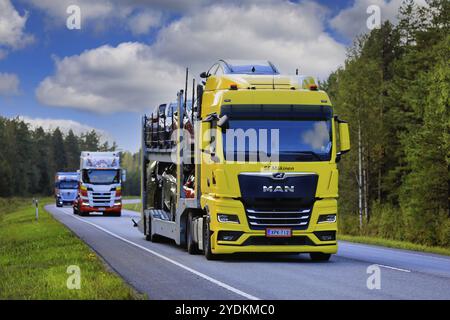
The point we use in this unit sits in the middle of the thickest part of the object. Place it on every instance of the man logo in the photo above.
(278, 175)
(279, 189)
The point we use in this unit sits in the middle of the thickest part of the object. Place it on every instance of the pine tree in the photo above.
(59, 152)
(72, 147)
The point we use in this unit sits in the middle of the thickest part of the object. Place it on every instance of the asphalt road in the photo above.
(165, 271)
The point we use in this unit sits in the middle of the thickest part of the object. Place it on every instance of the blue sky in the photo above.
(128, 57)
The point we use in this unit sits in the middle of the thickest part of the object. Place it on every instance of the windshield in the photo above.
(68, 184)
(282, 140)
(97, 176)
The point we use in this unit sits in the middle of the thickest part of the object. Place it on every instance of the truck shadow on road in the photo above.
(270, 257)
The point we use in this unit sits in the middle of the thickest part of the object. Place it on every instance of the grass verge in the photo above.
(132, 206)
(35, 256)
(394, 244)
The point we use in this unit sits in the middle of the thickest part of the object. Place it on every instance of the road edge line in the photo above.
(198, 273)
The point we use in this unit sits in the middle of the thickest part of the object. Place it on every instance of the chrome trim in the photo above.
(278, 212)
(281, 218)
(270, 174)
(278, 224)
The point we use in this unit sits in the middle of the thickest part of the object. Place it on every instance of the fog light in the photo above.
(118, 203)
(86, 204)
(326, 235)
(324, 218)
(229, 235)
(229, 218)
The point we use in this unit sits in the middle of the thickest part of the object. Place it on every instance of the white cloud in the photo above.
(351, 21)
(9, 84)
(65, 126)
(290, 35)
(109, 79)
(137, 15)
(142, 22)
(136, 76)
(12, 27)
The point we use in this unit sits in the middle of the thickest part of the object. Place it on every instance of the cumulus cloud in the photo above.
(137, 15)
(141, 23)
(136, 76)
(65, 126)
(108, 79)
(9, 84)
(12, 28)
(351, 21)
(290, 35)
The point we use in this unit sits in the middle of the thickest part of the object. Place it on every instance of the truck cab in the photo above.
(266, 177)
(66, 188)
(100, 184)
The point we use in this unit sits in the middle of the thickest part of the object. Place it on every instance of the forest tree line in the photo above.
(394, 91)
(30, 157)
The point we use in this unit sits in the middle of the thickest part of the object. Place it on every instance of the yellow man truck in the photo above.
(257, 174)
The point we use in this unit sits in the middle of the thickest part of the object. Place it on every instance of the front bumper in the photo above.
(65, 202)
(106, 209)
(300, 242)
(250, 240)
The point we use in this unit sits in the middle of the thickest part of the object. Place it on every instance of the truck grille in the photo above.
(101, 199)
(287, 213)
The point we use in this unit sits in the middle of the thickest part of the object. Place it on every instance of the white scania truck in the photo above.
(100, 184)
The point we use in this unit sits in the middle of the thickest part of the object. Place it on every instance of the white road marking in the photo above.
(393, 268)
(202, 275)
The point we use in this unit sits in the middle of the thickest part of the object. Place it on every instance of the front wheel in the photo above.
(319, 256)
(207, 242)
(117, 214)
(192, 247)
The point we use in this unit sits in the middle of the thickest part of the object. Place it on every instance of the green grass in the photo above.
(132, 206)
(395, 244)
(34, 256)
(130, 197)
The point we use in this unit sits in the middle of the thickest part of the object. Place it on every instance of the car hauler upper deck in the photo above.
(262, 176)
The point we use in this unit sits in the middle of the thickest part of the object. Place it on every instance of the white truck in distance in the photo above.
(100, 187)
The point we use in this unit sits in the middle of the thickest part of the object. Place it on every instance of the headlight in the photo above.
(327, 218)
(230, 218)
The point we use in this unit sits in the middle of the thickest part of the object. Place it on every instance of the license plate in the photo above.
(279, 233)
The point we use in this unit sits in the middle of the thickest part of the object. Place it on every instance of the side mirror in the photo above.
(204, 75)
(124, 175)
(344, 137)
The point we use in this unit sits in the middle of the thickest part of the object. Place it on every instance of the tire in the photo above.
(153, 238)
(83, 214)
(319, 256)
(192, 247)
(207, 242)
(116, 214)
(75, 211)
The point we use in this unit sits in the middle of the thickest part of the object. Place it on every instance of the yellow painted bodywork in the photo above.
(219, 180)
